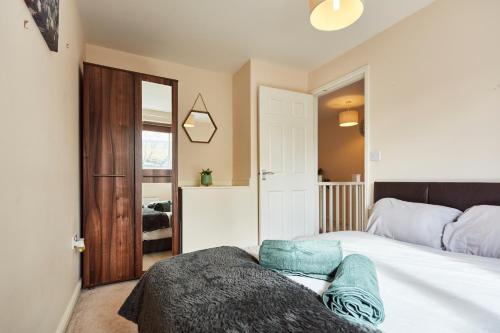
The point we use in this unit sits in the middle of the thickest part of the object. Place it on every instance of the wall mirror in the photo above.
(199, 126)
(157, 165)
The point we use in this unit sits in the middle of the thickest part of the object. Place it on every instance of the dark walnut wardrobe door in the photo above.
(108, 176)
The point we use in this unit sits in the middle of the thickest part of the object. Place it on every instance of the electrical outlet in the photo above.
(78, 243)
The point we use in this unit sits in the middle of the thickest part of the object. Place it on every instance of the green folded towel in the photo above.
(354, 292)
(312, 258)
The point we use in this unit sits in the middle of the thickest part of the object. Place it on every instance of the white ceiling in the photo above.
(223, 34)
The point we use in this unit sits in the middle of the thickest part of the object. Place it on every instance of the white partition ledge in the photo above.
(216, 216)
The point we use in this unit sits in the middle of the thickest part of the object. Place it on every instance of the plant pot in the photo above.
(206, 180)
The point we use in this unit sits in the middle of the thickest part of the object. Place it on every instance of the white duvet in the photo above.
(157, 234)
(425, 289)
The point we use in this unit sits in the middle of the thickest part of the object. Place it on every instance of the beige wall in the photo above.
(162, 191)
(435, 93)
(39, 178)
(216, 89)
(241, 126)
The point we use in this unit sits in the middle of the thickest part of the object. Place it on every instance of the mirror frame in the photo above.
(211, 119)
(176, 211)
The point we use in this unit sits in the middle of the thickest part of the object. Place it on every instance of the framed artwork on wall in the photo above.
(46, 15)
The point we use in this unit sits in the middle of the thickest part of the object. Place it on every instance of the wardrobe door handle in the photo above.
(108, 175)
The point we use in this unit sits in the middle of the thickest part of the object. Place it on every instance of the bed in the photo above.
(156, 228)
(423, 289)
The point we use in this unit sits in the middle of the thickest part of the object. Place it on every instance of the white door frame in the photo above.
(343, 81)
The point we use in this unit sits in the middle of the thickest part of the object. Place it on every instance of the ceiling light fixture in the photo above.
(331, 15)
(348, 117)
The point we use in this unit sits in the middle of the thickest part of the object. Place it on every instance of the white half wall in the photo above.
(217, 216)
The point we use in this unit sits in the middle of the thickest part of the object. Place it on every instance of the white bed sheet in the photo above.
(157, 234)
(425, 289)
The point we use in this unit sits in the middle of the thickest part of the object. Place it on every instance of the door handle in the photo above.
(265, 173)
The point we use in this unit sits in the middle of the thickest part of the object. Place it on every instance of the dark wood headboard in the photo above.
(456, 195)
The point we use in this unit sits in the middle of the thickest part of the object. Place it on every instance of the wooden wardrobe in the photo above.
(112, 173)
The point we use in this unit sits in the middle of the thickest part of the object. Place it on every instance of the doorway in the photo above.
(343, 152)
(341, 138)
(293, 201)
(157, 182)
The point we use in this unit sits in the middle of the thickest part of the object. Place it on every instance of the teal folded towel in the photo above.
(312, 258)
(354, 292)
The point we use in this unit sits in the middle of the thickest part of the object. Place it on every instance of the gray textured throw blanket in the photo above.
(225, 290)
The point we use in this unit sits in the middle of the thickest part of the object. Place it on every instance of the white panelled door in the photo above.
(288, 172)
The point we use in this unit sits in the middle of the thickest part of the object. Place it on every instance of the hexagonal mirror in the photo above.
(199, 126)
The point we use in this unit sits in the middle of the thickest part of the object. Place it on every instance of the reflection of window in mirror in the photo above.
(156, 134)
(157, 151)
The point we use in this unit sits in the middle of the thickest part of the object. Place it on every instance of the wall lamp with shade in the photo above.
(331, 15)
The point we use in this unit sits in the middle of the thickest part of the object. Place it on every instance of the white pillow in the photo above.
(411, 222)
(476, 232)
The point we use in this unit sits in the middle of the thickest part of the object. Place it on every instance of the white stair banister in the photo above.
(346, 211)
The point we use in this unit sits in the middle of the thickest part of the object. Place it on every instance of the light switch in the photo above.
(375, 156)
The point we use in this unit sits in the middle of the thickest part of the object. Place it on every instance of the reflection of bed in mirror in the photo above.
(156, 225)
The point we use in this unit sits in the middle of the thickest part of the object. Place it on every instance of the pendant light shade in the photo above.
(331, 15)
(348, 118)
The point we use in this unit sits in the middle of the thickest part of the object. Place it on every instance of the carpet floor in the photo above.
(97, 310)
(150, 259)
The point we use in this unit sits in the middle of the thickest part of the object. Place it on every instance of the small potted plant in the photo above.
(206, 177)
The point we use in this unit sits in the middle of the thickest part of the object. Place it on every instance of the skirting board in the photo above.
(63, 323)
